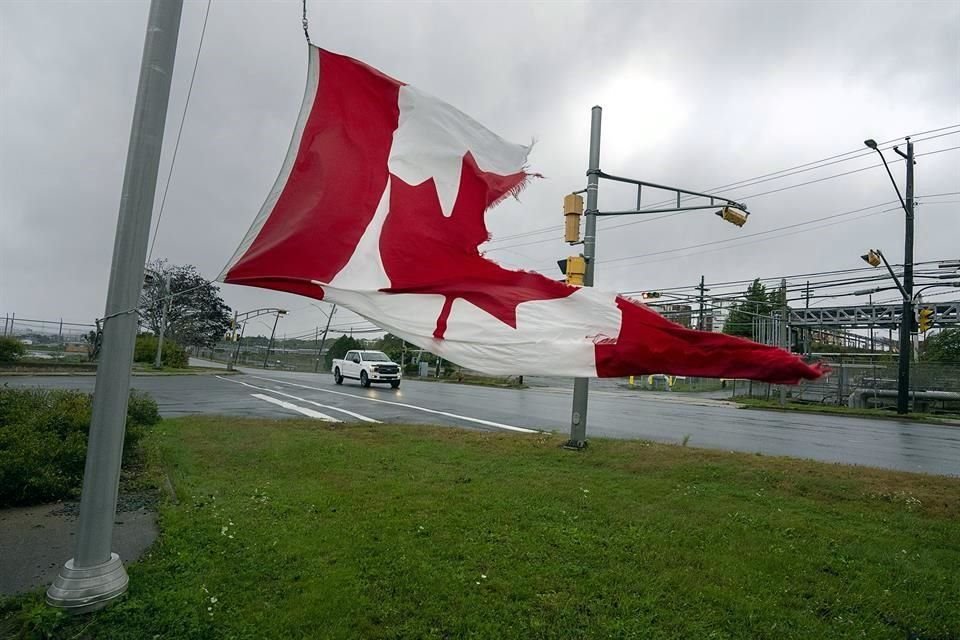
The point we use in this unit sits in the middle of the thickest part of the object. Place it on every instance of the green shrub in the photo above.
(11, 349)
(43, 441)
(174, 355)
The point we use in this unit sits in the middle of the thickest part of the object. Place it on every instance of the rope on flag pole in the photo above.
(306, 23)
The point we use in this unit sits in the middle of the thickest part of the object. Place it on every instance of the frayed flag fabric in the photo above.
(379, 207)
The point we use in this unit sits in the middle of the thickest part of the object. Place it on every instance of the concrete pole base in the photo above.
(84, 590)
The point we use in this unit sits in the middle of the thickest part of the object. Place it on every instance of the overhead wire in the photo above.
(776, 175)
(176, 144)
(812, 274)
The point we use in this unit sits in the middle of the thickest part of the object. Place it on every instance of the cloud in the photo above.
(694, 94)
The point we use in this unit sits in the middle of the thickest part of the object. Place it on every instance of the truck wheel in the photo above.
(337, 377)
(395, 384)
(364, 380)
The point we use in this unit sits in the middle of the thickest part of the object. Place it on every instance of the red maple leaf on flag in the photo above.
(424, 251)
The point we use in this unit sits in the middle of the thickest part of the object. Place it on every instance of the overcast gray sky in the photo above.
(696, 94)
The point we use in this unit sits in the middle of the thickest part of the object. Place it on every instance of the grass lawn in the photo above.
(295, 529)
(932, 418)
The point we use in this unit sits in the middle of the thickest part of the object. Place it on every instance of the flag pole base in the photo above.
(84, 590)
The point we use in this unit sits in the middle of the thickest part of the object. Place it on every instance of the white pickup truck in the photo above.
(367, 367)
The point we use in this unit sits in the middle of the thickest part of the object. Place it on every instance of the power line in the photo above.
(742, 244)
(770, 231)
(750, 235)
(183, 118)
(930, 153)
(753, 181)
(794, 276)
(739, 197)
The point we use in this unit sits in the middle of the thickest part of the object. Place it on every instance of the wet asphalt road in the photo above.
(613, 413)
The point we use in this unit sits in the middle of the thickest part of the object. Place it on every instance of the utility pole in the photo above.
(702, 289)
(95, 575)
(906, 322)
(270, 344)
(581, 386)
(316, 366)
(165, 309)
(784, 332)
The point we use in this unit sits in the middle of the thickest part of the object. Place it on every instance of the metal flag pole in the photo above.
(95, 575)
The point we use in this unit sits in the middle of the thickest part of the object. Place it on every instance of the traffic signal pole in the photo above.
(581, 386)
(733, 212)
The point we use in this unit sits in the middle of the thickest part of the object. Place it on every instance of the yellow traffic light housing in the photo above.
(733, 216)
(572, 212)
(924, 319)
(872, 258)
(576, 268)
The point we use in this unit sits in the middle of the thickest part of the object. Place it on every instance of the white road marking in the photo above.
(298, 409)
(358, 416)
(488, 423)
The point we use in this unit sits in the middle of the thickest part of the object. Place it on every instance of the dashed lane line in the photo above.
(297, 408)
(352, 414)
(488, 423)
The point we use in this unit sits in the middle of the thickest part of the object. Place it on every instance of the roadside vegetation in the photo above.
(11, 350)
(174, 356)
(43, 442)
(295, 529)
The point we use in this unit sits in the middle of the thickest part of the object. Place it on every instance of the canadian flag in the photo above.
(379, 207)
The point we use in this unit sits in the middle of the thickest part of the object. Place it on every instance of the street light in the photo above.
(903, 378)
(871, 258)
(239, 318)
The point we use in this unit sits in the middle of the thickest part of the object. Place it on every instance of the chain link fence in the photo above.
(54, 340)
(868, 381)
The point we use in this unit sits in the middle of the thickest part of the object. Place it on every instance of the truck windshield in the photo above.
(375, 356)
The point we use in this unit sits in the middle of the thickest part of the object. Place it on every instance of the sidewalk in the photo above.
(37, 540)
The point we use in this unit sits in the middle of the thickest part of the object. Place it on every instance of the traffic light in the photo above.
(924, 319)
(574, 268)
(572, 211)
(647, 295)
(872, 258)
(733, 216)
